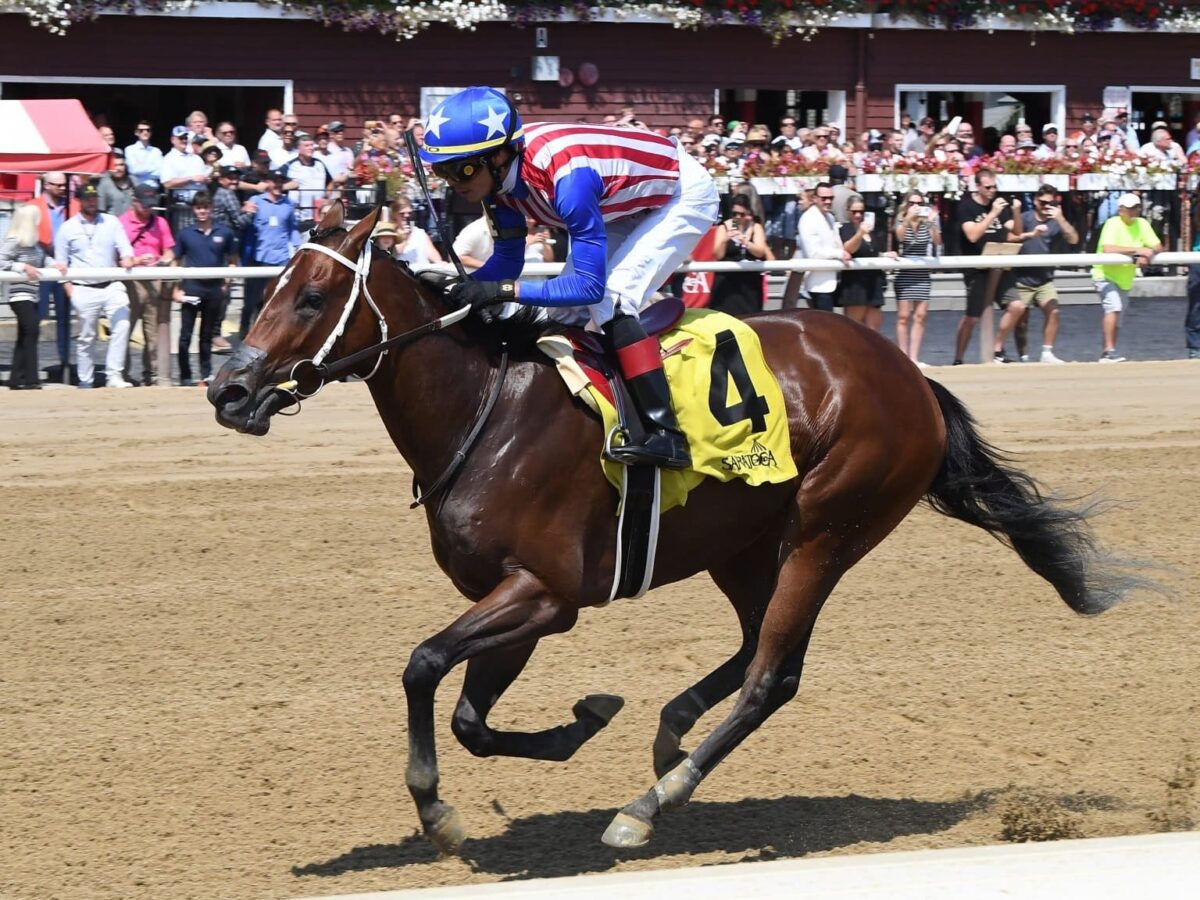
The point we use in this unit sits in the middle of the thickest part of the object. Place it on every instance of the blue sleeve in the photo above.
(508, 256)
(577, 202)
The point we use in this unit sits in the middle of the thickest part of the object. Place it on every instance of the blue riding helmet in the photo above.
(475, 122)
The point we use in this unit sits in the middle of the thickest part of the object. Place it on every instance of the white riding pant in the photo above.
(90, 303)
(646, 249)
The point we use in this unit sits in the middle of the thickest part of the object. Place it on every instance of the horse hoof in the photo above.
(626, 832)
(599, 706)
(448, 832)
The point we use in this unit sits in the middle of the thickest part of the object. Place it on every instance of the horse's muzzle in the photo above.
(243, 393)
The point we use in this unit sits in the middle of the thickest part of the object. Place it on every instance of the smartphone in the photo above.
(923, 212)
(952, 125)
(869, 220)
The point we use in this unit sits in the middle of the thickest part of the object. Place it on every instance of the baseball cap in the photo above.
(275, 175)
(117, 153)
(710, 140)
(335, 125)
(199, 138)
(1087, 117)
(261, 156)
(1128, 201)
(229, 171)
(179, 131)
(734, 142)
(1026, 144)
(838, 173)
(88, 190)
(1049, 126)
(146, 194)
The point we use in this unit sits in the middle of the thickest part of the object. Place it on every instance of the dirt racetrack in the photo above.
(202, 636)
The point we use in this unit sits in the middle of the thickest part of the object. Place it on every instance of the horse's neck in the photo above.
(428, 394)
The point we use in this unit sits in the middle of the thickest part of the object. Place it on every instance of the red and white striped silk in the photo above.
(638, 169)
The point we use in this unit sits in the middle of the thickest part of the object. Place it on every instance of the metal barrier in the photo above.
(883, 263)
(933, 263)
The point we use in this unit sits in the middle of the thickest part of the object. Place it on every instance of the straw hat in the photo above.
(758, 134)
(385, 229)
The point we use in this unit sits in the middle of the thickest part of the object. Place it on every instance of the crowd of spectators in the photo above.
(212, 200)
(834, 220)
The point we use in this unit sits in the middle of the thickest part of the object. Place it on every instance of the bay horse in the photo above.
(526, 529)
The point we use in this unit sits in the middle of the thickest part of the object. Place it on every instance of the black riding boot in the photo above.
(638, 356)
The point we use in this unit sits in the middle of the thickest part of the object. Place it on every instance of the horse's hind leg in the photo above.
(488, 677)
(826, 536)
(772, 679)
(747, 580)
(516, 614)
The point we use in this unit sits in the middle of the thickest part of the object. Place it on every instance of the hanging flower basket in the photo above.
(1018, 184)
(869, 183)
(1091, 181)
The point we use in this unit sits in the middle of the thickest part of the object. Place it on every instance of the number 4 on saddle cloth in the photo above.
(729, 406)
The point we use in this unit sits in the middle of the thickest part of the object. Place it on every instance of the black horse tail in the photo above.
(1054, 540)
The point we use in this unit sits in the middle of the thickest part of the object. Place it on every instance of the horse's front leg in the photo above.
(519, 611)
(489, 675)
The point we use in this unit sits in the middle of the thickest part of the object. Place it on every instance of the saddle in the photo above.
(657, 318)
(593, 353)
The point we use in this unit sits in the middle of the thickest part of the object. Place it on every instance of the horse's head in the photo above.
(319, 309)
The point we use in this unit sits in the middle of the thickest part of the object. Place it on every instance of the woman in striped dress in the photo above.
(917, 235)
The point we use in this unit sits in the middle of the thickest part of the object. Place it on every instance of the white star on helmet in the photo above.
(494, 122)
(436, 121)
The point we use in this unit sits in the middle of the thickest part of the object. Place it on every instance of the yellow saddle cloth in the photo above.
(728, 403)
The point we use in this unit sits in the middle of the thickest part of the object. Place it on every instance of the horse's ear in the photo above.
(334, 217)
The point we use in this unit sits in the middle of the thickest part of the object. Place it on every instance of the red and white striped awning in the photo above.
(49, 136)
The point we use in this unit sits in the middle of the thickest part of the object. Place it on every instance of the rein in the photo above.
(309, 376)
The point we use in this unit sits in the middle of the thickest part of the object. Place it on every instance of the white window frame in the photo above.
(1057, 92)
(286, 84)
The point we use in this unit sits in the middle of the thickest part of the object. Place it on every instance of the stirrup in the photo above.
(628, 454)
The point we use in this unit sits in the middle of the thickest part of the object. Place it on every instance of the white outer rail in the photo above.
(1155, 866)
(940, 263)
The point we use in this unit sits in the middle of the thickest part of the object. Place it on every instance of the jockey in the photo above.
(633, 205)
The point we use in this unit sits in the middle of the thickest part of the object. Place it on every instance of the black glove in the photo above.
(481, 294)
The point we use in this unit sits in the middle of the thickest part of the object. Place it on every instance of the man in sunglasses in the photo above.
(142, 159)
(633, 205)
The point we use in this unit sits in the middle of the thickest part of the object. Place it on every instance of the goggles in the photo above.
(459, 170)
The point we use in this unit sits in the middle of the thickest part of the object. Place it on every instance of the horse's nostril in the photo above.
(231, 395)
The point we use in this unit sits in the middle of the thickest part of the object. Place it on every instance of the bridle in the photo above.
(309, 376)
(312, 373)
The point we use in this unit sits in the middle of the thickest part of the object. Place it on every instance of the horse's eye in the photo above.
(311, 300)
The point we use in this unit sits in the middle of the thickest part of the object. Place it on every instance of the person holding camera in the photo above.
(1043, 230)
(862, 289)
(984, 217)
(918, 235)
(739, 238)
